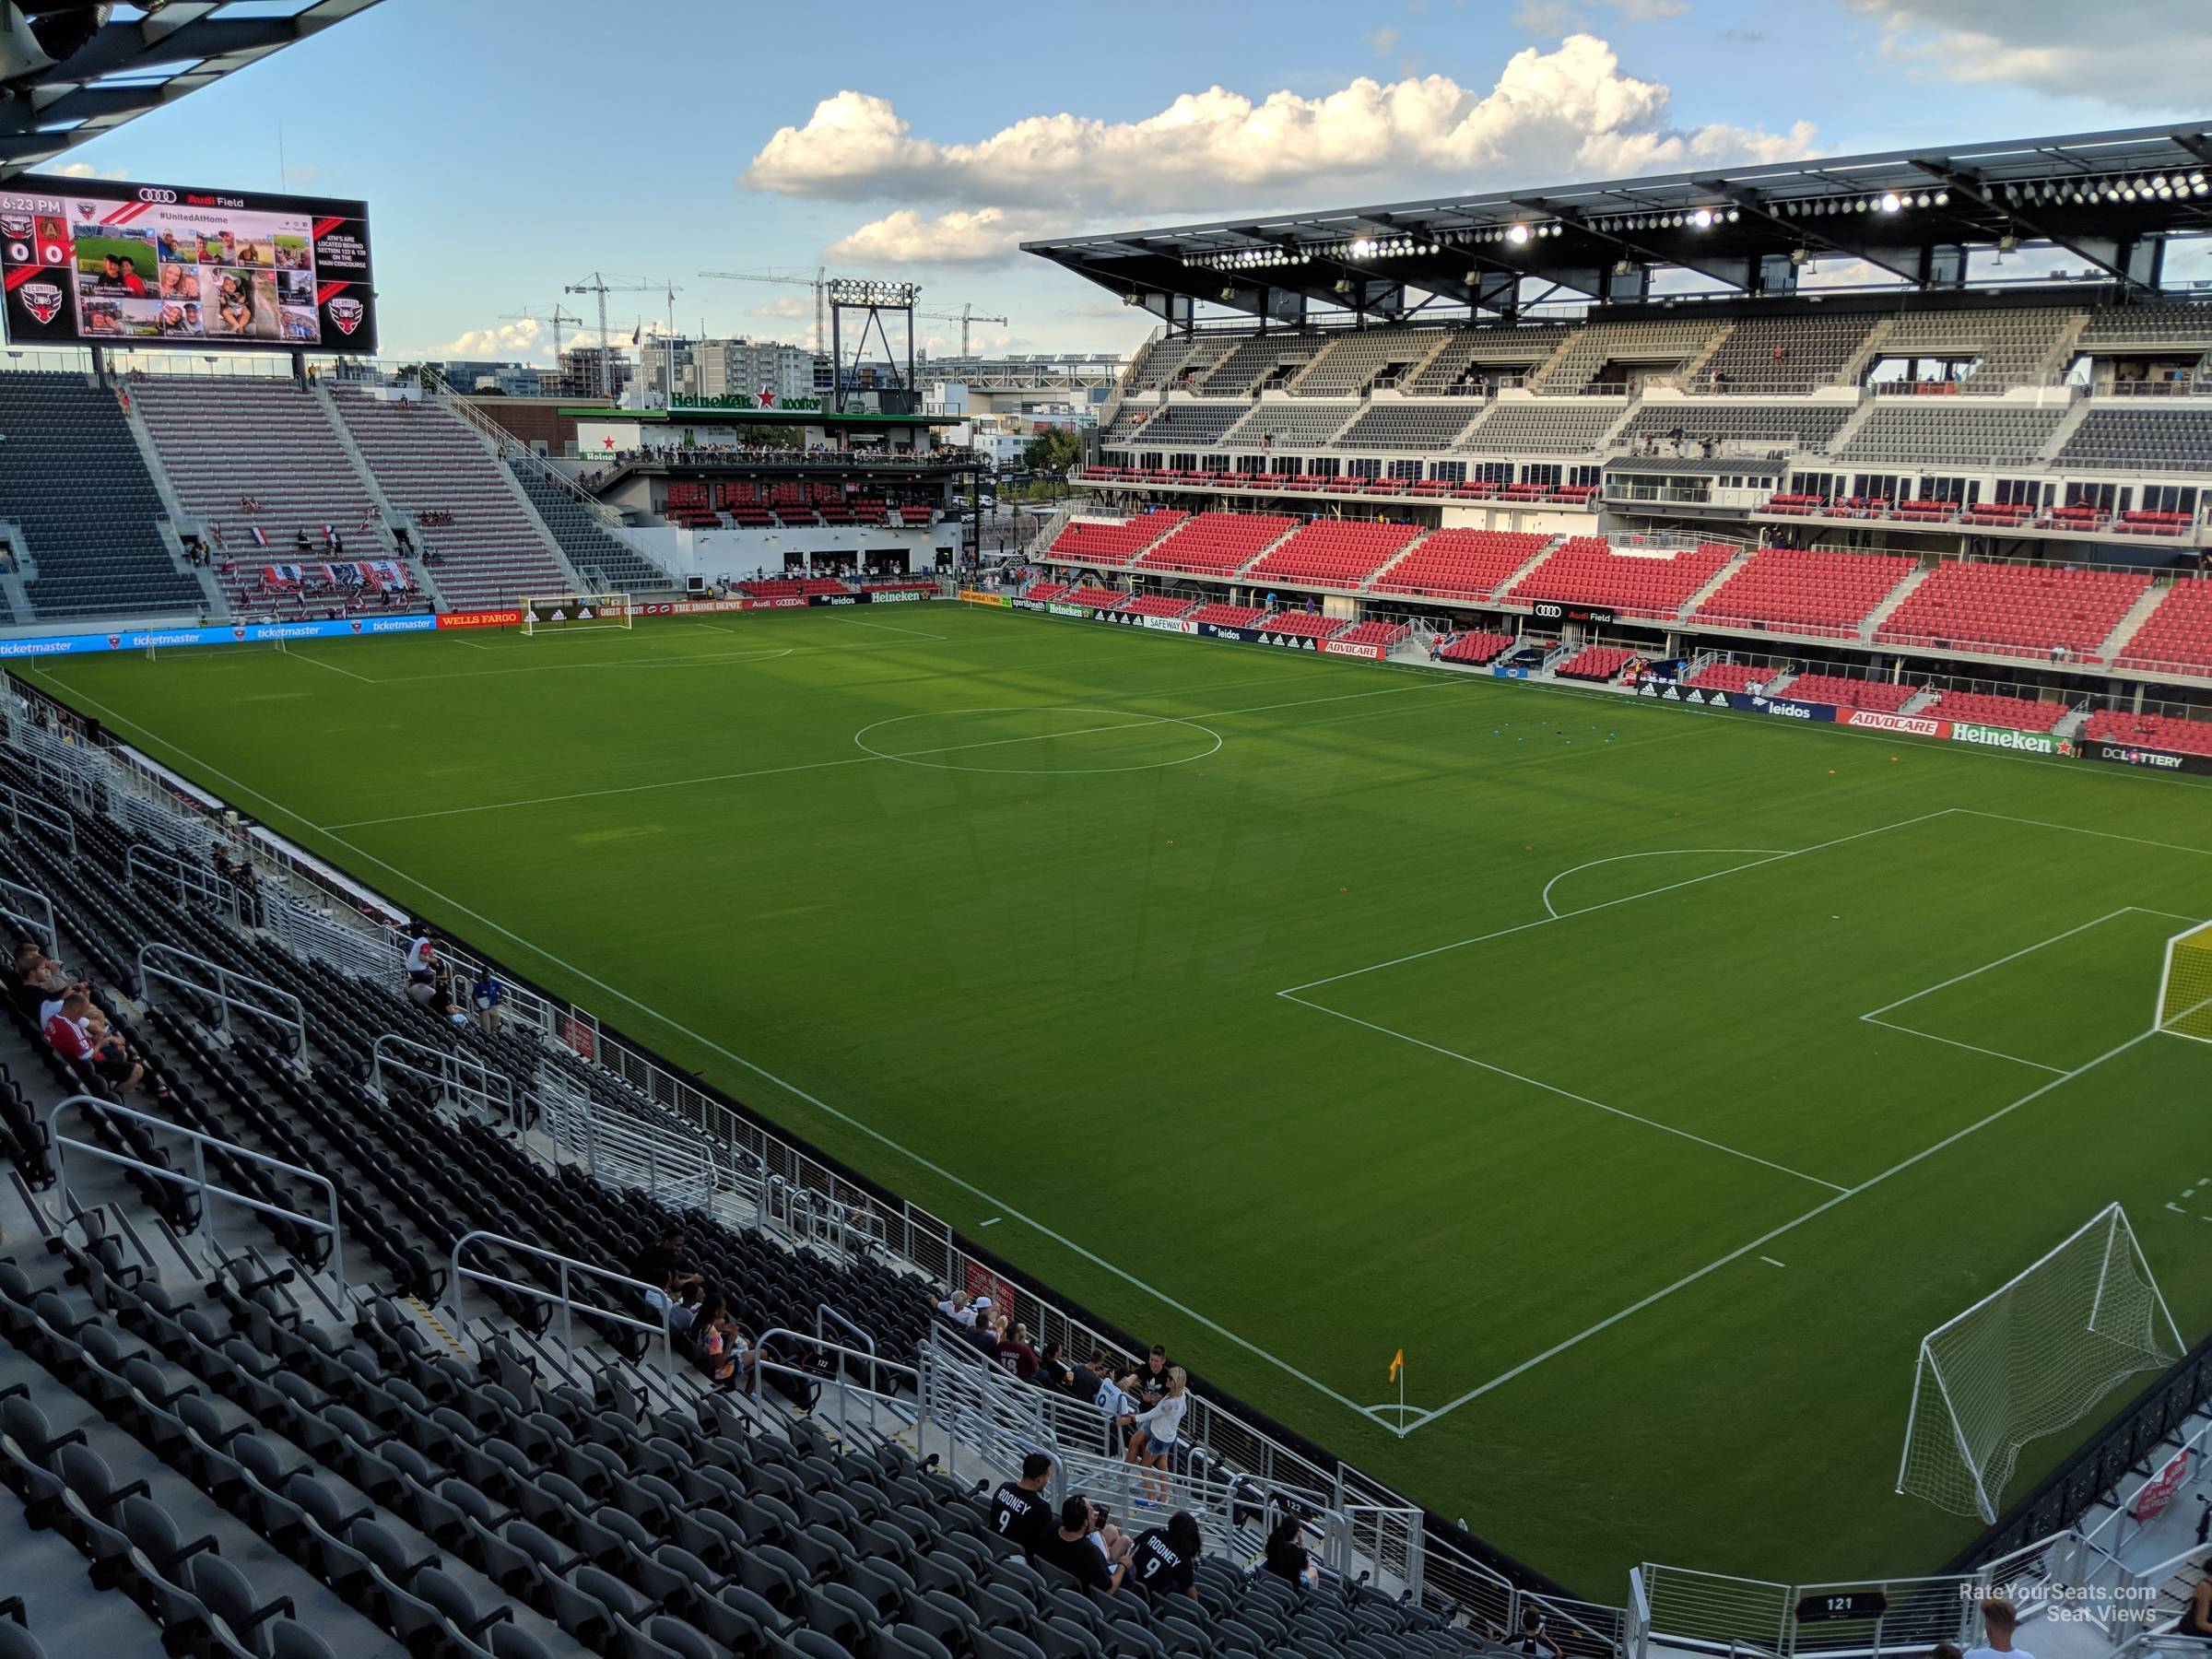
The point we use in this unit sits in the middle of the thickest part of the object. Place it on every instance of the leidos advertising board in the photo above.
(92, 262)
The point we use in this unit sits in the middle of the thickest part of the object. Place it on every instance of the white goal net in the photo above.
(2028, 1359)
(546, 613)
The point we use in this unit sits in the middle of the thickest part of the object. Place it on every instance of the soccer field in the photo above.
(1654, 1078)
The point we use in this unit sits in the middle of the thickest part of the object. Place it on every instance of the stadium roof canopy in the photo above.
(2114, 199)
(79, 70)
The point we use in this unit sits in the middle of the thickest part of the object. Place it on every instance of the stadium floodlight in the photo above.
(1518, 235)
(1891, 201)
(2031, 1358)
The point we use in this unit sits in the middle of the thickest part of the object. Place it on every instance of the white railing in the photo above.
(27, 813)
(563, 1299)
(509, 447)
(460, 1080)
(32, 909)
(625, 1151)
(225, 988)
(63, 1145)
(188, 878)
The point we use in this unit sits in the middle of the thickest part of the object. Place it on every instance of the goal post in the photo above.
(2033, 1357)
(2185, 985)
(550, 613)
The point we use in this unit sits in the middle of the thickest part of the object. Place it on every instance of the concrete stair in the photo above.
(2064, 431)
(1898, 596)
(1850, 429)
(2137, 614)
(1743, 557)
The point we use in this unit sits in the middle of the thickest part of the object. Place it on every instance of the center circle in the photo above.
(1038, 740)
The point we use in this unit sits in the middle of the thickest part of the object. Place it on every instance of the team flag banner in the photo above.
(284, 575)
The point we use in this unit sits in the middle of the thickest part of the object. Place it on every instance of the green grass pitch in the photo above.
(1293, 1011)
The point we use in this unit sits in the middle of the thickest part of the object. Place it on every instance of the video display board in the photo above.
(97, 262)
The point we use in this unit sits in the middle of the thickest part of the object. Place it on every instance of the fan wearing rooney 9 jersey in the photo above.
(1017, 1508)
(1164, 1562)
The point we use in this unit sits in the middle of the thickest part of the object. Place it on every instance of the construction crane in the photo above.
(599, 284)
(964, 316)
(818, 282)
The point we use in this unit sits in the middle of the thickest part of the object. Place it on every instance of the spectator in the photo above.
(422, 955)
(1998, 1621)
(1014, 1350)
(1153, 1445)
(1152, 1375)
(485, 996)
(1534, 1642)
(1053, 1371)
(661, 1266)
(2197, 1618)
(1286, 1554)
(961, 1309)
(64, 1028)
(1017, 1510)
(1167, 1562)
(39, 979)
(1079, 1548)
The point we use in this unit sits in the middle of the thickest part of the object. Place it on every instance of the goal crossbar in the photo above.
(545, 613)
(2028, 1359)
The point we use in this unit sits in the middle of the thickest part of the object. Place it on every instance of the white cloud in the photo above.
(1384, 41)
(518, 341)
(908, 237)
(85, 170)
(784, 305)
(2140, 53)
(1649, 11)
(1548, 114)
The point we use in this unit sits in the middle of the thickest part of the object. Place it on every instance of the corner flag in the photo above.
(1397, 1364)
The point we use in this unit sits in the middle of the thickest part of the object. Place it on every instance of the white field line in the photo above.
(2011, 957)
(318, 662)
(1565, 1094)
(2006, 818)
(1502, 933)
(890, 628)
(1767, 1238)
(770, 771)
(1660, 853)
(997, 1205)
(1873, 1016)
(1974, 1048)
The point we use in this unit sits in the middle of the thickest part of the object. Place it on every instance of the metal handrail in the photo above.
(567, 1303)
(185, 876)
(451, 1074)
(198, 1179)
(761, 1362)
(26, 810)
(219, 990)
(31, 908)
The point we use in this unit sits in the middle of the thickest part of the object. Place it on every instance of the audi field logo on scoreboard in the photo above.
(346, 314)
(159, 198)
(43, 300)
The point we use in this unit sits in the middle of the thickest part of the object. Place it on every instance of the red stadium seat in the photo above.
(2016, 610)
(1461, 564)
(1633, 582)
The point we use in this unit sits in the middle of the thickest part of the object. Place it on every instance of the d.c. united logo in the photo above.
(346, 313)
(43, 300)
(114, 642)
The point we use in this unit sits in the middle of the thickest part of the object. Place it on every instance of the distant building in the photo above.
(712, 369)
(511, 380)
(593, 371)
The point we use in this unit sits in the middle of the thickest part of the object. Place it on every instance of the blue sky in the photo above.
(508, 146)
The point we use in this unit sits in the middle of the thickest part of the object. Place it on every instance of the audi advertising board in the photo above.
(94, 262)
